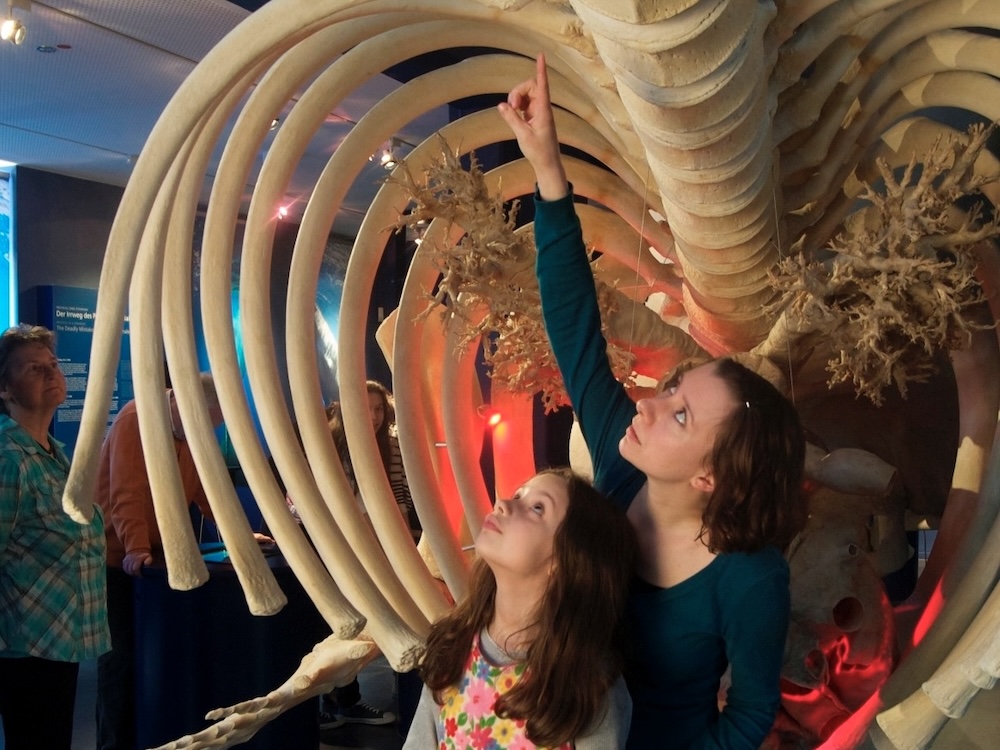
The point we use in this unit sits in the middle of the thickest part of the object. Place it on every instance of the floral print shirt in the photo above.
(468, 721)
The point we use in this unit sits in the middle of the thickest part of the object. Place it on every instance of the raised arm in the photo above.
(528, 113)
(569, 298)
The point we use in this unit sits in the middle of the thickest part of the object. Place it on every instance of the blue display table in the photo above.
(202, 649)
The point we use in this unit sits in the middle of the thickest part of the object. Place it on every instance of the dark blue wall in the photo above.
(62, 228)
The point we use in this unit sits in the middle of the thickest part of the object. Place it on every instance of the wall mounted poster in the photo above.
(71, 312)
(8, 254)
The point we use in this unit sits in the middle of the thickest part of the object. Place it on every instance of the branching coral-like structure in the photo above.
(894, 288)
(488, 286)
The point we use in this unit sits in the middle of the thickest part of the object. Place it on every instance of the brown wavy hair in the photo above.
(757, 461)
(335, 420)
(578, 652)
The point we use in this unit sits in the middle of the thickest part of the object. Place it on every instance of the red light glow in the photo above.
(934, 606)
(845, 699)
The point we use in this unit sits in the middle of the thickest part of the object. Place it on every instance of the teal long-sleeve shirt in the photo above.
(733, 613)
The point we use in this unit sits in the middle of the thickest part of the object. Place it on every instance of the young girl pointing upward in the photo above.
(530, 658)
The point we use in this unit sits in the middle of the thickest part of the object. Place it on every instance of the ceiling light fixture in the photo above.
(415, 232)
(390, 156)
(11, 29)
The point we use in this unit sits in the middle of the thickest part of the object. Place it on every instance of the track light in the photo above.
(391, 154)
(415, 232)
(390, 158)
(11, 29)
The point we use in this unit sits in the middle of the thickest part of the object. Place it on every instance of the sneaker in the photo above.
(329, 720)
(362, 713)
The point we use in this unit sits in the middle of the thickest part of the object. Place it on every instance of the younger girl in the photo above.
(531, 657)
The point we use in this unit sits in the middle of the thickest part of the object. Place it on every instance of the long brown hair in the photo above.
(757, 463)
(382, 433)
(577, 653)
(335, 421)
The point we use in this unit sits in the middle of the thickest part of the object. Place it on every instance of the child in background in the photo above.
(383, 415)
(532, 656)
(343, 704)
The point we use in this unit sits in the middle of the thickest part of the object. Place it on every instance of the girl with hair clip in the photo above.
(531, 657)
(383, 415)
(343, 704)
(708, 474)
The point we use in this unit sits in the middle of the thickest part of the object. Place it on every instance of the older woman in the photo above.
(52, 597)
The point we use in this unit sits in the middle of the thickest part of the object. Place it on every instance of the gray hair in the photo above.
(211, 396)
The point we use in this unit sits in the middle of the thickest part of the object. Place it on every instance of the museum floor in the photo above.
(377, 688)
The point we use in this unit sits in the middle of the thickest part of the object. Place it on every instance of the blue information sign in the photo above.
(71, 312)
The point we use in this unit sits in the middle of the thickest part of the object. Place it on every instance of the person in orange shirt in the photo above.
(133, 541)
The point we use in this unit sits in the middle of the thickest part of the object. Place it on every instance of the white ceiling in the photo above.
(86, 109)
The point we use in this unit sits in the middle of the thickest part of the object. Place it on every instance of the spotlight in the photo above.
(389, 158)
(415, 232)
(491, 416)
(12, 30)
